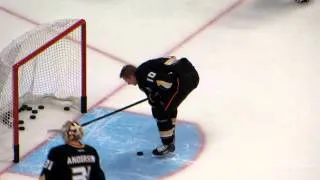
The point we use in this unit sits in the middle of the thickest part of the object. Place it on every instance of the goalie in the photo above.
(166, 81)
(72, 160)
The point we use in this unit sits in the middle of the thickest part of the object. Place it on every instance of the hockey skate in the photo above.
(164, 150)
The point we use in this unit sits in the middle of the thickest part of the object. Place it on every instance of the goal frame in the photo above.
(81, 23)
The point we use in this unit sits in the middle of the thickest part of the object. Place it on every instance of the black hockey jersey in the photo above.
(66, 162)
(157, 76)
(164, 76)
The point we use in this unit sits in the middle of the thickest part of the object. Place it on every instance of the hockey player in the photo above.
(166, 81)
(73, 160)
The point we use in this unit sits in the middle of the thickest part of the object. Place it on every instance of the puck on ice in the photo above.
(23, 107)
(21, 121)
(22, 128)
(139, 153)
(66, 108)
(32, 116)
(41, 107)
(29, 108)
(34, 111)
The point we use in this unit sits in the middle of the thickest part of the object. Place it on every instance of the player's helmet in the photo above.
(72, 131)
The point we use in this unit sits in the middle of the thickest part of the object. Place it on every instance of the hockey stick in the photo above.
(113, 112)
(104, 116)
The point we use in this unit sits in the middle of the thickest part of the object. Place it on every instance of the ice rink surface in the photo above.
(257, 104)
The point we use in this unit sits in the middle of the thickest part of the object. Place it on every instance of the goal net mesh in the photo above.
(48, 63)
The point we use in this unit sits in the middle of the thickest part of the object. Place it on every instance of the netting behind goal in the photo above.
(46, 62)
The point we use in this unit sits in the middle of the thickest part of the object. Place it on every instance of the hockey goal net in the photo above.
(48, 62)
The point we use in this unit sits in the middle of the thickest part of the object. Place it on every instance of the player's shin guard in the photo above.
(167, 133)
(167, 130)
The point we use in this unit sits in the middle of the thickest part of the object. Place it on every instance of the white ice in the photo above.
(258, 101)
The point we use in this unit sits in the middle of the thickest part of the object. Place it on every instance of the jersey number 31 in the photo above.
(81, 173)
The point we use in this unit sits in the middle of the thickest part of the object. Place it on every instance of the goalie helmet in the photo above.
(72, 131)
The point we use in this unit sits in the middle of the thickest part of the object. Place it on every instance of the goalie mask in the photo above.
(72, 131)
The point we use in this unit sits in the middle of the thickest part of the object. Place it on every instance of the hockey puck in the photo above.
(34, 111)
(29, 108)
(22, 128)
(21, 121)
(66, 108)
(23, 107)
(41, 107)
(32, 117)
(139, 153)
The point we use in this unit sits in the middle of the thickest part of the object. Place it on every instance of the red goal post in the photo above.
(46, 62)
